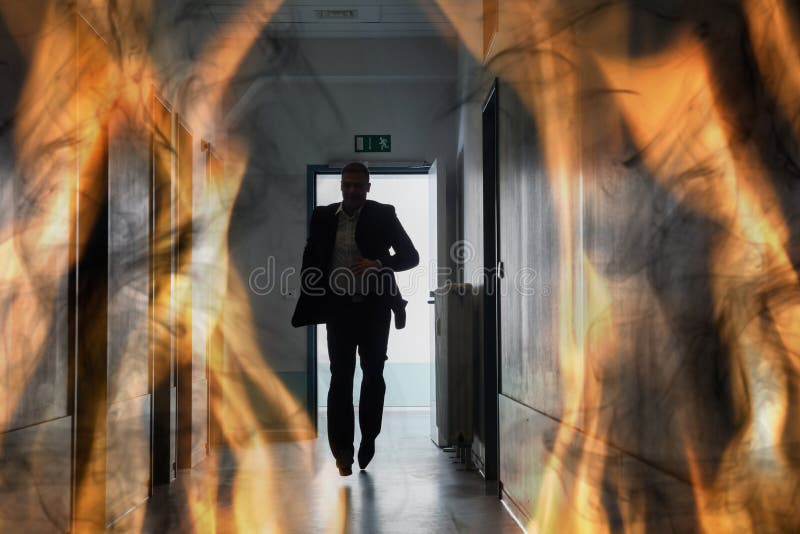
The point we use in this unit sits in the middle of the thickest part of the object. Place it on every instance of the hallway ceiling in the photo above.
(354, 18)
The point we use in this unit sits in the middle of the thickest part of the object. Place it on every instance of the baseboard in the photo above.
(515, 511)
(477, 461)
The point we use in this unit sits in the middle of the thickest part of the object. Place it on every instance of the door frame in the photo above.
(184, 177)
(161, 367)
(491, 298)
(311, 330)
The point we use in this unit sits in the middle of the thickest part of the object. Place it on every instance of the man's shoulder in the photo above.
(326, 210)
(380, 207)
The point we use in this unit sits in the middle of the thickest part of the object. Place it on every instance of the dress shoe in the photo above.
(365, 453)
(345, 471)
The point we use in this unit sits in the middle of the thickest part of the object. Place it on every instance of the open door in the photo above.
(433, 283)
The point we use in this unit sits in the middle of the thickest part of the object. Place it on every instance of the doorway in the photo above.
(407, 371)
(162, 270)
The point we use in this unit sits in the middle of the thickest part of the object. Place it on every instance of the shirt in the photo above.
(345, 253)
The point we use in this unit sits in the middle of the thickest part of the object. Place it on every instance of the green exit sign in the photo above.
(373, 143)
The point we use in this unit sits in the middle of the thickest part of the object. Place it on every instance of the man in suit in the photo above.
(347, 281)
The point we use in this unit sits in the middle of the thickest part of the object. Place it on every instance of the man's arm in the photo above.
(310, 251)
(308, 311)
(312, 269)
(405, 256)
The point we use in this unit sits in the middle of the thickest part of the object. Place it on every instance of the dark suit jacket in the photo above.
(377, 230)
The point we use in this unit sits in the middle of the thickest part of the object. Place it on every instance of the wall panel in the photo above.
(199, 420)
(128, 440)
(35, 466)
(529, 249)
(89, 311)
(128, 470)
(129, 278)
(184, 230)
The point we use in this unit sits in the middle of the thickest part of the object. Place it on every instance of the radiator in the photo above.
(452, 368)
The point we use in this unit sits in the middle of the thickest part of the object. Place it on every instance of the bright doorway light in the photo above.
(407, 371)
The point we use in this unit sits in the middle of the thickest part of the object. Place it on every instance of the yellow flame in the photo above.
(33, 256)
(76, 109)
(673, 111)
(776, 41)
(339, 523)
(679, 118)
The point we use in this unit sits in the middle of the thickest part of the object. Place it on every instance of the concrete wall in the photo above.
(474, 83)
(623, 388)
(36, 428)
(57, 85)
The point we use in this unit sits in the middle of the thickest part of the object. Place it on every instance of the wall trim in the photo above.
(516, 512)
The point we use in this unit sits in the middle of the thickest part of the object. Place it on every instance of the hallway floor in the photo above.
(410, 486)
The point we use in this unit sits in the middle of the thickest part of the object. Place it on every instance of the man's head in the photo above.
(355, 185)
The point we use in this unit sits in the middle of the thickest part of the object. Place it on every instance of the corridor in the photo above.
(570, 230)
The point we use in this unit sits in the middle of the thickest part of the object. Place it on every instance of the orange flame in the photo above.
(62, 124)
(593, 93)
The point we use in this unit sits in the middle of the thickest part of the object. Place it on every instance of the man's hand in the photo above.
(362, 264)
